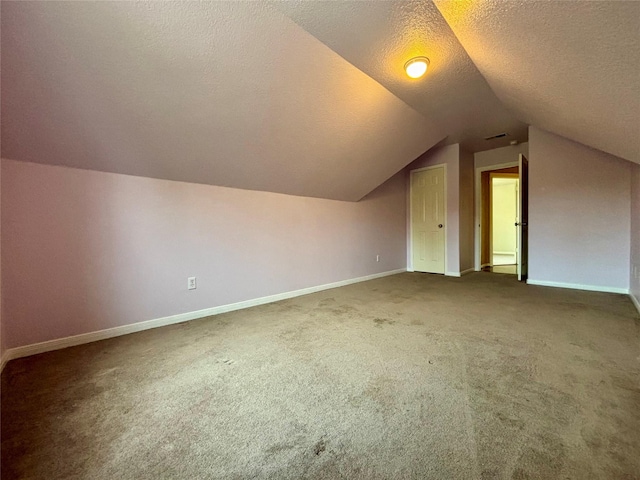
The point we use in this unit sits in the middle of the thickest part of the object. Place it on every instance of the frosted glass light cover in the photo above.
(416, 67)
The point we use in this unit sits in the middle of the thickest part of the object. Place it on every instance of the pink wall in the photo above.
(500, 156)
(634, 278)
(579, 224)
(449, 156)
(85, 251)
(466, 211)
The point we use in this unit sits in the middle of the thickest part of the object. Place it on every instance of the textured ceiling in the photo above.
(379, 37)
(569, 67)
(309, 98)
(232, 94)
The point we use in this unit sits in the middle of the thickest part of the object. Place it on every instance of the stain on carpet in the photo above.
(320, 447)
(383, 321)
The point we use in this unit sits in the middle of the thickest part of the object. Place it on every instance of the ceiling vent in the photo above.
(500, 135)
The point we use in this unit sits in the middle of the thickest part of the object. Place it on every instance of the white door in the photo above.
(427, 220)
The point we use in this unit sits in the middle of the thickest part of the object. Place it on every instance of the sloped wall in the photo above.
(137, 88)
(85, 251)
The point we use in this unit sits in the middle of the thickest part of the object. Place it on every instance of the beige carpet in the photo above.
(411, 376)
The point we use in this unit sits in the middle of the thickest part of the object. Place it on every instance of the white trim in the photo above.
(505, 253)
(575, 286)
(635, 301)
(430, 167)
(460, 274)
(59, 343)
(478, 206)
(446, 216)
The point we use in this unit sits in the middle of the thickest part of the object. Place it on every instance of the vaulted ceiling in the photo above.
(379, 37)
(569, 67)
(308, 98)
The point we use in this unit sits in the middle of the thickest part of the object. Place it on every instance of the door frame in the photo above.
(523, 219)
(478, 208)
(446, 216)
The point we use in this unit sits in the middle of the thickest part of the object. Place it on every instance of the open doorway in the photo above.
(503, 217)
(498, 214)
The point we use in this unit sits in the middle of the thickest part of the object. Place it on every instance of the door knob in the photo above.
(439, 225)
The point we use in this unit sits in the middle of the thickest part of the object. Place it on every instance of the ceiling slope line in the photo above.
(229, 94)
(379, 38)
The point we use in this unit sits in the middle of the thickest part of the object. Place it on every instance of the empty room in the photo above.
(320, 240)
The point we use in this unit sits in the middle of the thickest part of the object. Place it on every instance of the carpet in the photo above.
(412, 376)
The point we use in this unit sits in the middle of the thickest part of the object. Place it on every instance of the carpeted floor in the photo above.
(410, 376)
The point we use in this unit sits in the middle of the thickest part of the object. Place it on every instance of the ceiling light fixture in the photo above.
(416, 67)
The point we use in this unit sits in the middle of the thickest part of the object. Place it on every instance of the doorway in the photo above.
(503, 219)
(501, 257)
(427, 213)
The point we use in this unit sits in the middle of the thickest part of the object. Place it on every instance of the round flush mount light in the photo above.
(416, 67)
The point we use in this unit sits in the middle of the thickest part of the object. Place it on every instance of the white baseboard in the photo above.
(575, 286)
(65, 342)
(635, 301)
(459, 274)
(512, 254)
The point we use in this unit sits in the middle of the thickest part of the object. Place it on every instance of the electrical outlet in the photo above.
(191, 283)
(377, 258)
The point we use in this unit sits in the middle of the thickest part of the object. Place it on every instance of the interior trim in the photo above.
(83, 338)
(460, 274)
(636, 301)
(575, 286)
